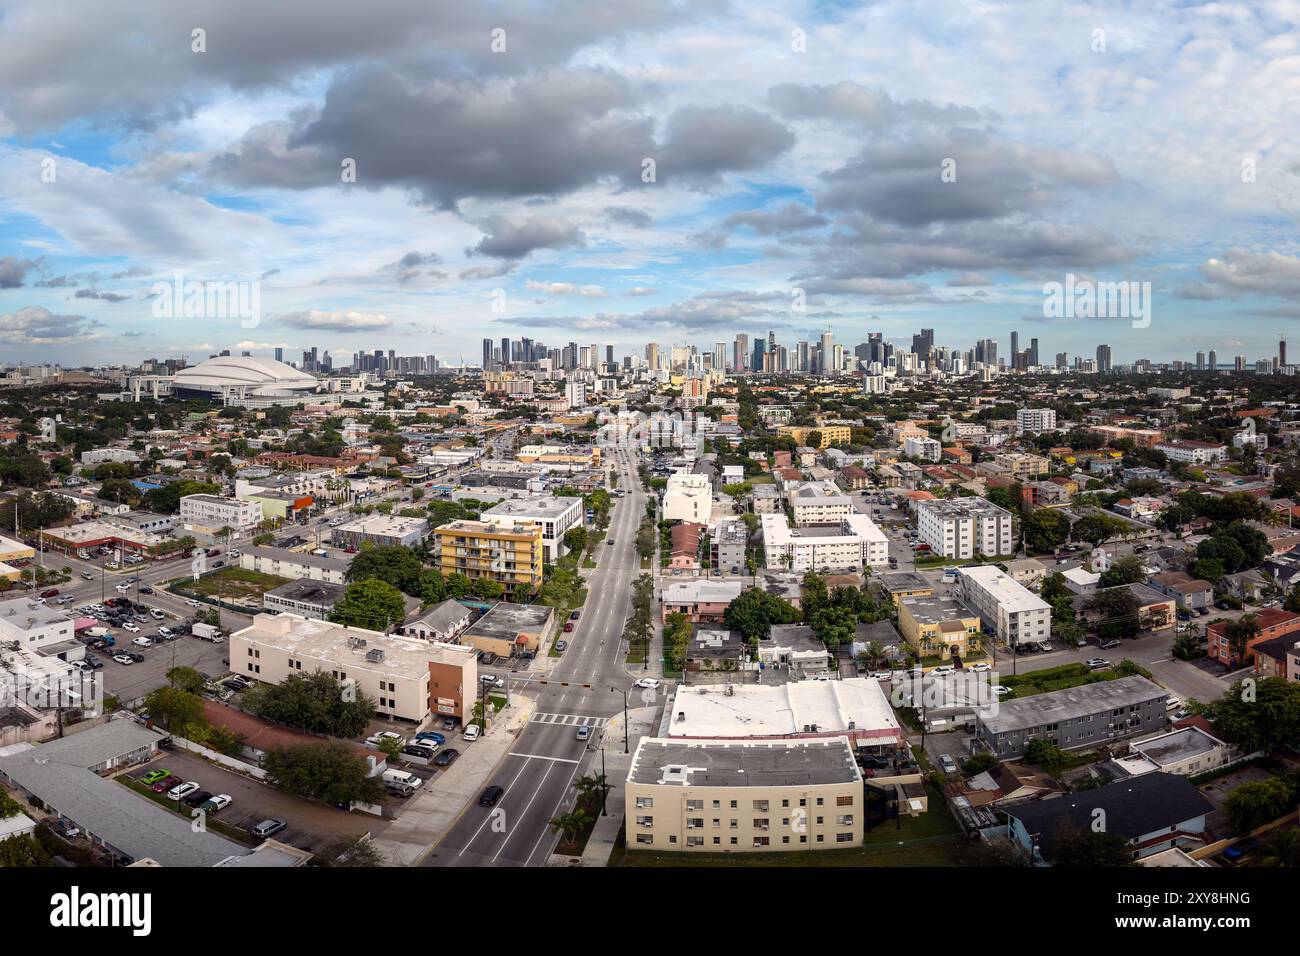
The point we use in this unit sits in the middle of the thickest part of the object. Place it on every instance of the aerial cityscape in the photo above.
(542, 435)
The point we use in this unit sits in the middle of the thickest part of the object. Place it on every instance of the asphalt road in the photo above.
(538, 771)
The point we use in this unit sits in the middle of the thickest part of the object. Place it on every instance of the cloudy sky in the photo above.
(417, 175)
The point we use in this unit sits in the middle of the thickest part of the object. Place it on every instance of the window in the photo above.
(645, 838)
(645, 803)
(844, 838)
(845, 801)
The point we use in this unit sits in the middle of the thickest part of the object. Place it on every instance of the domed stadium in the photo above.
(244, 380)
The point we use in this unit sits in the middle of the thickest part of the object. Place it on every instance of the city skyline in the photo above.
(685, 173)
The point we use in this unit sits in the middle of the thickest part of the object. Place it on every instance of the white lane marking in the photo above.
(542, 757)
(524, 813)
(488, 818)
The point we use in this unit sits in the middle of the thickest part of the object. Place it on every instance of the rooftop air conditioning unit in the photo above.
(375, 655)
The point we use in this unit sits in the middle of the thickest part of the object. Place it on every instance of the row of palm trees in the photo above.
(591, 789)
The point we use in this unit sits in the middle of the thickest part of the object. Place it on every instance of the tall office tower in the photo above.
(526, 350)
(803, 356)
(862, 351)
(505, 352)
(652, 356)
(827, 345)
(571, 352)
(279, 354)
(1033, 353)
(1062, 359)
(1103, 358)
(392, 357)
(327, 363)
(1200, 361)
(1281, 352)
(593, 356)
(923, 343)
(1239, 363)
(760, 349)
(837, 358)
(487, 354)
(1214, 360)
(740, 353)
(771, 341)
(1015, 347)
(720, 356)
(584, 357)
(609, 355)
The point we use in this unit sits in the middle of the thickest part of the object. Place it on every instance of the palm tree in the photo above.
(1280, 848)
(591, 789)
(1240, 633)
(569, 825)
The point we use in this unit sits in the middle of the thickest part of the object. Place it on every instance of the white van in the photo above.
(401, 779)
(1172, 703)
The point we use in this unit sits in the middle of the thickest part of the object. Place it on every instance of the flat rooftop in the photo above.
(729, 763)
(299, 557)
(966, 507)
(308, 591)
(1176, 746)
(1009, 594)
(383, 524)
(936, 610)
(534, 506)
(715, 711)
(1072, 703)
(506, 621)
(905, 581)
(333, 643)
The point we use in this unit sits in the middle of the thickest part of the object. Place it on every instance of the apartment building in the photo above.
(555, 515)
(1023, 466)
(1013, 613)
(937, 626)
(1085, 716)
(699, 600)
(849, 544)
(508, 553)
(1032, 421)
(724, 796)
(729, 546)
(922, 447)
(688, 497)
(818, 502)
(407, 678)
(829, 434)
(962, 528)
(212, 513)
(1193, 452)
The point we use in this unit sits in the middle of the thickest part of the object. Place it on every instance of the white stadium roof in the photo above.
(245, 373)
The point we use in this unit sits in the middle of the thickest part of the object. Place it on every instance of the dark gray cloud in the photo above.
(102, 296)
(792, 217)
(702, 142)
(14, 270)
(511, 238)
(144, 73)
(627, 216)
(864, 106)
(36, 325)
(414, 264)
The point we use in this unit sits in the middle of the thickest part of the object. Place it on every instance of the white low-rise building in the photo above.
(1014, 613)
(213, 512)
(851, 543)
(556, 515)
(1031, 421)
(922, 447)
(818, 502)
(688, 497)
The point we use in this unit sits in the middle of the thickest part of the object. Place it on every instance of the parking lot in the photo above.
(311, 826)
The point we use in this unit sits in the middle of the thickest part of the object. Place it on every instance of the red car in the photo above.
(568, 626)
(166, 783)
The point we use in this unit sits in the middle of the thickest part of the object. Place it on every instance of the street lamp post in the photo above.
(604, 781)
(614, 690)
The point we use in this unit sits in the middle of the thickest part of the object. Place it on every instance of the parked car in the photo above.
(268, 828)
(166, 632)
(196, 798)
(445, 758)
(561, 645)
(947, 764)
(471, 732)
(568, 627)
(134, 629)
(980, 668)
(575, 615)
(139, 641)
(376, 739)
(1238, 850)
(431, 737)
(1108, 645)
(135, 656)
(490, 796)
(87, 576)
(648, 683)
(491, 680)
(123, 659)
(166, 783)
(215, 803)
(1097, 663)
(153, 776)
(422, 751)
(182, 790)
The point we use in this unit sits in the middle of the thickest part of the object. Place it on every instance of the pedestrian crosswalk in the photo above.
(572, 720)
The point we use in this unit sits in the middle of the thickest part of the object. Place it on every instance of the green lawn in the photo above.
(233, 584)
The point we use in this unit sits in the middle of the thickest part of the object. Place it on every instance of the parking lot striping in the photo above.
(541, 757)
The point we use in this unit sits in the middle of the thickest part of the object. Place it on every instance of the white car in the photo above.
(648, 683)
(164, 632)
(492, 681)
(182, 790)
(471, 732)
(1000, 691)
(122, 659)
(140, 641)
(947, 764)
(122, 588)
(218, 801)
(980, 668)
(944, 669)
(192, 603)
(134, 629)
(383, 735)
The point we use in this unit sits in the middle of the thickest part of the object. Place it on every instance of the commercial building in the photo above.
(442, 622)
(31, 626)
(1089, 715)
(510, 554)
(962, 528)
(211, 513)
(511, 630)
(723, 796)
(555, 515)
(391, 531)
(407, 678)
(1193, 452)
(1013, 613)
(852, 543)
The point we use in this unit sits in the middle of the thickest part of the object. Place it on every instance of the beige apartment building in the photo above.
(731, 796)
(509, 553)
(406, 677)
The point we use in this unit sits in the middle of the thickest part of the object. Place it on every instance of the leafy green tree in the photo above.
(317, 702)
(1043, 753)
(1127, 570)
(179, 711)
(332, 772)
(754, 612)
(372, 604)
(1075, 847)
(186, 679)
(1046, 529)
(1251, 805)
(575, 539)
(1118, 608)
(398, 566)
(1097, 529)
(1263, 715)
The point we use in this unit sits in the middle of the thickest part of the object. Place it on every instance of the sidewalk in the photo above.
(427, 816)
(641, 723)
